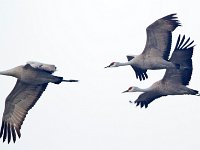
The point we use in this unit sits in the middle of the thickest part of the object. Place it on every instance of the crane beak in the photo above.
(107, 67)
(125, 91)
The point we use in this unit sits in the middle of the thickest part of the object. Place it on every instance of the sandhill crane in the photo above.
(175, 80)
(32, 80)
(157, 48)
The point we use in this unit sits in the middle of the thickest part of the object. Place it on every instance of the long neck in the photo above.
(15, 72)
(141, 89)
(125, 63)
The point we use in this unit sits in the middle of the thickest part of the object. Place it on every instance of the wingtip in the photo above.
(18, 132)
(146, 105)
(179, 24)
(141, 104)
(9, 133)
(171, 16)
(173, 19)
(5, 132)
(13, 133)
(2, 128)
(182, 44)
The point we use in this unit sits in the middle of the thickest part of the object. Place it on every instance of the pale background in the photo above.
(81, 38)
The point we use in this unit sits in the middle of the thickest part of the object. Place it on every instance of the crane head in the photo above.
(113, 64)
(131, 89)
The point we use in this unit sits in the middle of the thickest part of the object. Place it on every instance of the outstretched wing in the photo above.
(159, 36)
(182, 55)
(140, 73)
(146, 98)
(22, 98)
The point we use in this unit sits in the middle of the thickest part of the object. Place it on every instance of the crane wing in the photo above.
(159, 36)
(21, 99)
(146, 98)
(182, 55)
(140, 73)
(41, 66)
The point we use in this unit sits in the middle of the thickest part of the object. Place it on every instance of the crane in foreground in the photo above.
(175, 80)
(156, 52)
(32, 80)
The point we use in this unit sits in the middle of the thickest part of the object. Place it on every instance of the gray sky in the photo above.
(81, 38)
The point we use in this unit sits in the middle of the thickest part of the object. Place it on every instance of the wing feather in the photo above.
(146, 98)
(21, 99)
(182, 55)
(5, 132)
(9, 133)
(140, 73)
(159, 36)
(13, 133)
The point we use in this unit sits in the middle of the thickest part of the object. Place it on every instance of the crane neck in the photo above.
(137, 89)
(125, 63)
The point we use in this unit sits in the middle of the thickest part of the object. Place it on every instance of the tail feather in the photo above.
(195, 92)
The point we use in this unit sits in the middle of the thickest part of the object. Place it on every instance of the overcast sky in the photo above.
(81, 38)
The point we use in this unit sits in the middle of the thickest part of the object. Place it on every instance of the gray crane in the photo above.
(32, 80)
(175, 80)
(156, 52)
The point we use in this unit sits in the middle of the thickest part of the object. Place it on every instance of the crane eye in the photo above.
(112, 63)
(129, 88)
